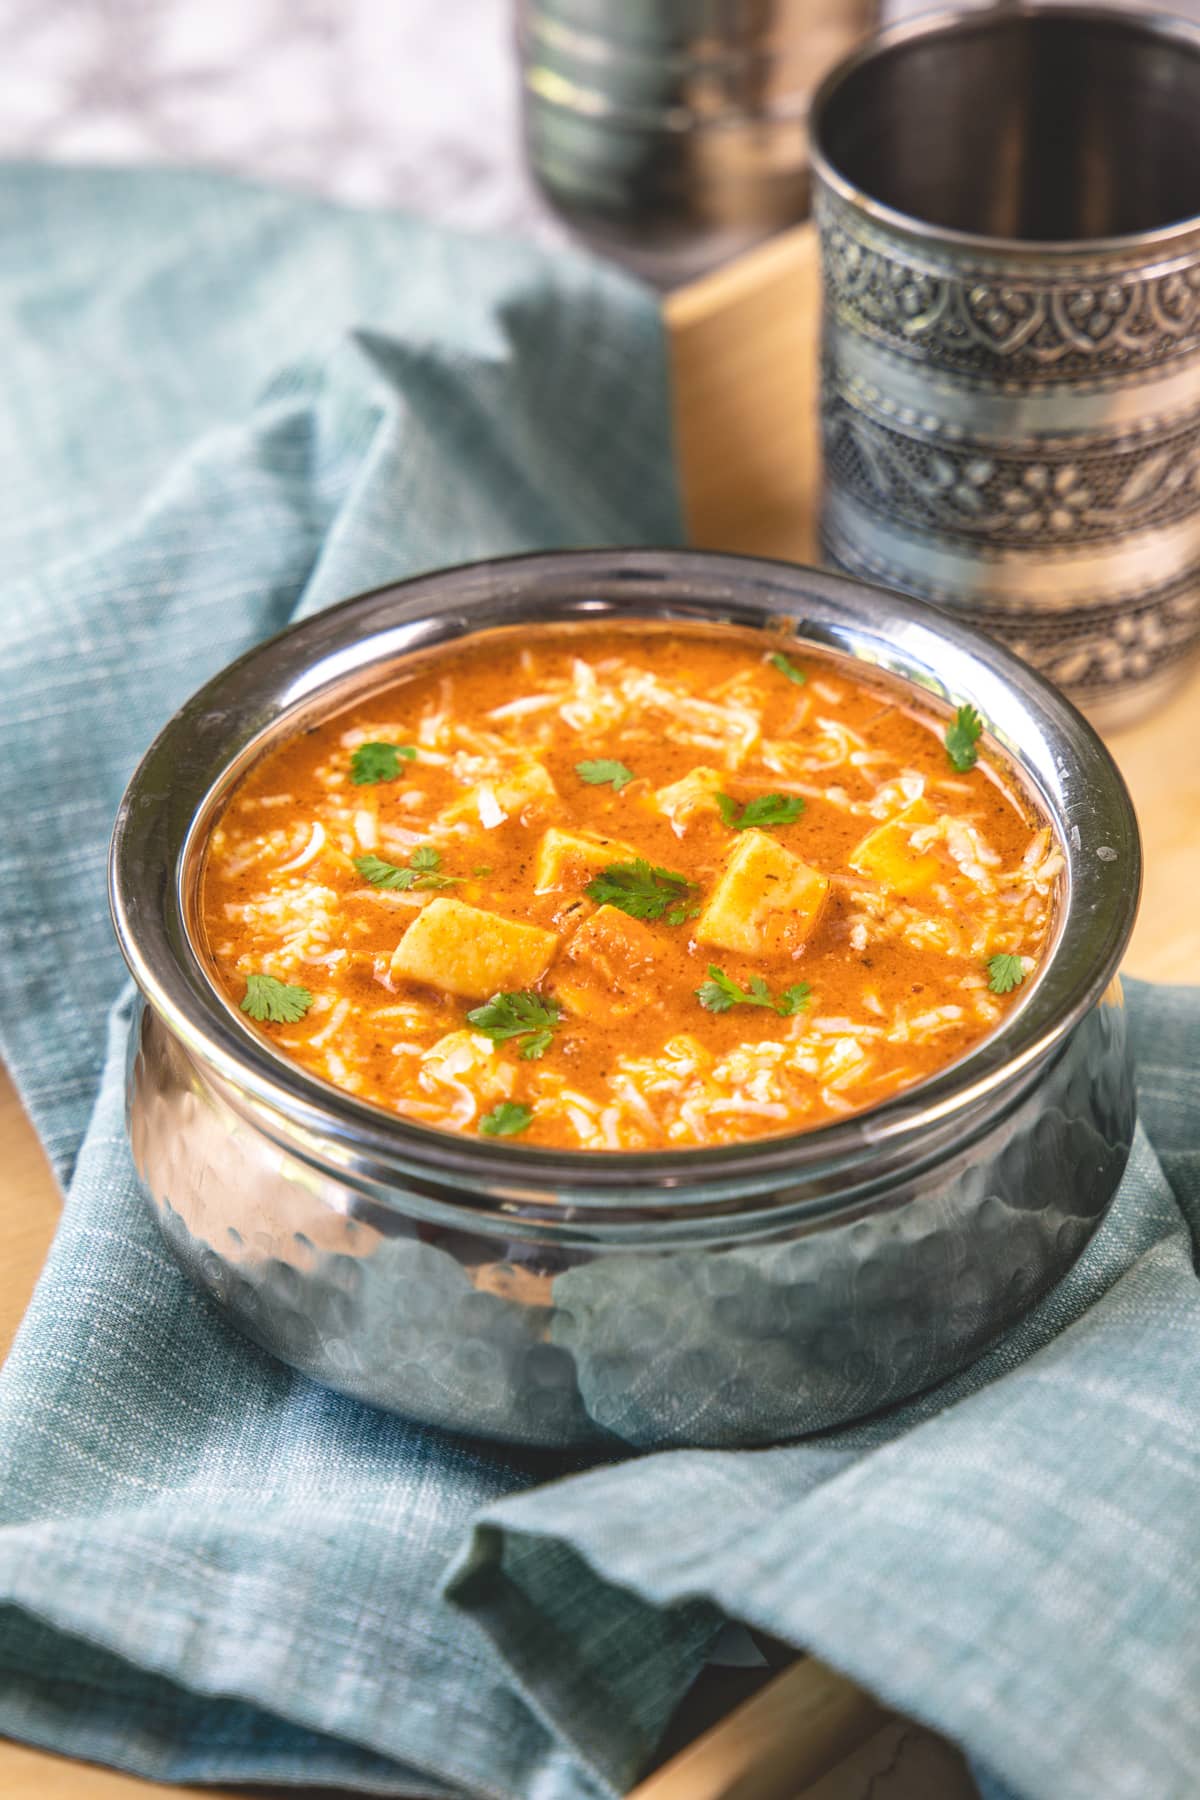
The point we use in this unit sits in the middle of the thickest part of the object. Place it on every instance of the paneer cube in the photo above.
(475, 954)
(887, 855)
(765, 900)
(569, 858)
(695, 793)
(614, 966)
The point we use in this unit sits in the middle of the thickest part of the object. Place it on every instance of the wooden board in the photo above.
(743, 348)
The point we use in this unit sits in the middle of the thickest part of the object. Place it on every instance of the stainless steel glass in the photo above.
(672, 133)
(1009, 213)
(726, 1296)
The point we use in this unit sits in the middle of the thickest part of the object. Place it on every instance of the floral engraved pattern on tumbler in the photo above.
(1010, 388)
(1090, 325)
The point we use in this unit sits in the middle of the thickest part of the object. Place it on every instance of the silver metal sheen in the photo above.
(1009, 212)
(672, 134)
(728, 1296)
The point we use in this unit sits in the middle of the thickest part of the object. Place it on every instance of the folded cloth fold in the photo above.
(224, 407)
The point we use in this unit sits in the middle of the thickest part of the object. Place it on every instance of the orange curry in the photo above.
(626, 887)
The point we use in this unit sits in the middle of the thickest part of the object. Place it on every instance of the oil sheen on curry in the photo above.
(627, 888)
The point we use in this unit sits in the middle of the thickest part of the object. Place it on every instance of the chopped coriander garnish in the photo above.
(420, 872)
(794, 999)
(678, 914)
(383, 874)
(379, 762)
(506, 1119)
(1005, 973)
(275, 1001)
(721, 992)
(605, 770)
(640, 889)
(780, 661)
(521, 1015)
(962, 735)
(765, 811)
(483, 869)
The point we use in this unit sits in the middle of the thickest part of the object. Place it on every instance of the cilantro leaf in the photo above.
(962, 735)
(764, 811)
(720, 992)
(678, 914)
(780, 661)
(419, 873)
(639, 888)
(383, 874)
(794, 999)
(1005, 973)
(275, 1001)
(604, 769)
(379, 762)
(434, 883)
(506, 1119)
(523, 1014)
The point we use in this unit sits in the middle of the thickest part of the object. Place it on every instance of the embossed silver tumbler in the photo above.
(1009, 211)
(673, 133)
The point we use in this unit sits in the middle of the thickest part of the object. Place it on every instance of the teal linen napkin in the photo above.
(223, 407)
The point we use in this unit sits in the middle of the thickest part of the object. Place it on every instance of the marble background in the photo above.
(409, 103)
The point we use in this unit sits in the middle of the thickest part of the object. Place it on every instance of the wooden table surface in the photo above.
(742, 344)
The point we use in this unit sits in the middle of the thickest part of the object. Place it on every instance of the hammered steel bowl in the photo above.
(1009, 213)
(736, 1295)
(672, 134)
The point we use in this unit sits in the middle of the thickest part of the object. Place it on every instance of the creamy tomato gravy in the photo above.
(827, 902)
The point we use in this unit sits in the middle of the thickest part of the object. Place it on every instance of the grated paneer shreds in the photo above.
(894, 949)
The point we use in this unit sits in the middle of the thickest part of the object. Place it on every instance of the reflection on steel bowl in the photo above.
(740, 1293)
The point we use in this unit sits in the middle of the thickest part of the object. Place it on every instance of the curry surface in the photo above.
(895, 953)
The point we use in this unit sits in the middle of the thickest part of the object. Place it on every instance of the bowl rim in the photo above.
(1181, 235)
(185, 774)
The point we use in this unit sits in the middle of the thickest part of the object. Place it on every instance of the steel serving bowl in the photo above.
(1009, 214)
(735, 1295)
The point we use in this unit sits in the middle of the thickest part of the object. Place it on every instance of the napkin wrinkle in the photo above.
(189, 1532)
(48, 992)
(175, 1559)
(340, 475)
(933, 1620)
(142, 1720)
(558, 1657)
